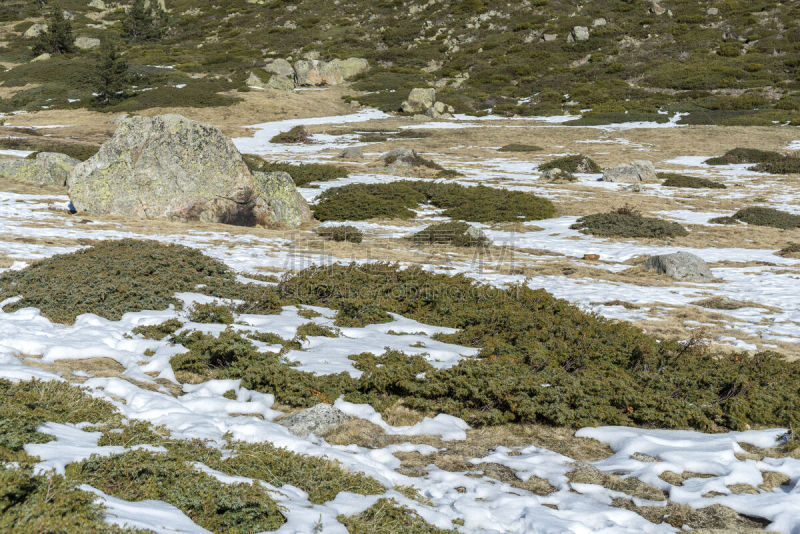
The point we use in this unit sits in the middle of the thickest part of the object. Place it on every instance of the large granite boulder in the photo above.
(419, 100)
(279, 199)
(316, 72)
(635, 171)
(47, 168)
(175, 168)
(681, 266)
(281, 67)
(35, 31)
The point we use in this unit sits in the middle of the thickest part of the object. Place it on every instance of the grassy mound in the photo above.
(792, 250)
(347, 233)
(768, 217)
(386, 516)
(112, 278)
(297, 134)
(764, 160)
(301, 173)
(449, 233)
(519, 147)
(600, 118)
(358, 202)
(624, 223)
(680, 180)
(574, 163)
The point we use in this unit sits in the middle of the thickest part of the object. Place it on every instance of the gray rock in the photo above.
(635, 171)
(318, 420)
(47, 168)
(680, 266)
(657, 9)
(254, 81)
(400, 157)
(281, 67)
(279, 200)
(281, 83)
(315, 72)
(558, 175)
(35, 31)
(476, 234)
(599, 22)
(118, 119)
(713, 11)
(419, 100)
(175, 168)
(41, 57)
(87, 43)
(97, 4)
(353, 152)
(549, 37)
(579, 33)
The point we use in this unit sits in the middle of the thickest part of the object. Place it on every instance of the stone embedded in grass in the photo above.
(406, 157)
(556, 175)
(635, 171)
(681, 266)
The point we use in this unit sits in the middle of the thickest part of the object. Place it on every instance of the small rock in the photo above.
(97, 4)
(681, 266)
(317, 420)
(400, 157)
(353, 152)
(635, 171)
(599, 22)
(87, 43)
(477, 234)
(713, 11)
(557, 175)
(41, 57)
(642, 457)
(579, 33)
(657, 9)
(549, 37)
(591, 257)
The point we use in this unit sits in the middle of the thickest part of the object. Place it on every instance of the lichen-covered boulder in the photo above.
(35, 31)
(681, 266)
(47, 168)
(281, 67)
(87, 43)
(277, 197)
(316, 72)
(635, 171)
(319, 419)
(419, 100)
(174, 168)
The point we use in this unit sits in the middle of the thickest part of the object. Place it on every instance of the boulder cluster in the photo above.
(284, 76)
(422, 101)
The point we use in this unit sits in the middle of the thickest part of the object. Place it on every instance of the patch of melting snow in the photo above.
(794, 145)
(16, 153)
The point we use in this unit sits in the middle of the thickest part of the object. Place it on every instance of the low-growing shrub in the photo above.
(519, 147)
(792, 250)
(415, 161)
(768, 217)
(158, 331)
(387, 516)
(210, 313)
(115, 277)
(789, 164)
(744, 155)
(724, 220)
(301, 173)
(616, 224)
(396, 200)
(456, 234)
(574, 163)
(680, 180)
(297, 134)
(347, 233)
(314, 329)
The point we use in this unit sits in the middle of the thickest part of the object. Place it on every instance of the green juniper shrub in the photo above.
(302, 173)
(166, 476)
(343, 232)
(158, 331)
(208, 351)
(359, 312)
(211, 313)
(681, 180)
(49, 503)
(197, 94)
(744, 155)
(724, 220)
(625, 223)
(58, 38)
(574, 163)
(297, 134)
(519, 147)
(387, 516)
(448, 173)
(357, 202)
(415, 161)
(314, 329)
(792, 250)
(789, 164)
(761, 216)
(115, 277)
(450, 233)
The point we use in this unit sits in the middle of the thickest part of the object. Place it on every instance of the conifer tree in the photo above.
(144, 21)
(58, 38)
(112, 77)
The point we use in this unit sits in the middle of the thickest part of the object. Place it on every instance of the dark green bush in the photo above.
(301, 173)
(744, 155)
(210, 313)
(449, 233)
(784, 165)
(768, 217)
(519, 147)
(396, 199)
(575, 163)
(158, 331)
(617, 224)
(347, 233)
(297, 134)
(387, 516)
(314, 329)
(680, 180)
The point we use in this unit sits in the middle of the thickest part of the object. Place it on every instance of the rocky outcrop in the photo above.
(35, 31)
(423, 101)
(400, 157)
(318, 420)
(97, 4)
(578, 33)
(635, 171)
(87, 43)
(281, 67)
(175, 168)
(47, 168)
(680, 266)
(316, 72)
